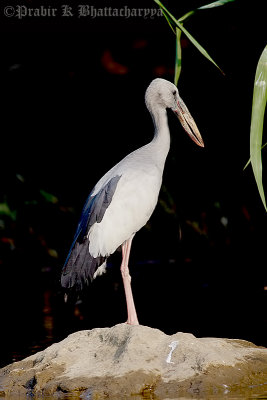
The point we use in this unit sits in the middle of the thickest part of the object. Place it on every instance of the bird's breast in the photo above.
(132, 204)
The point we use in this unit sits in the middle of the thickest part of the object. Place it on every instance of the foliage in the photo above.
(6, 211)
(257, 118)
(177, 26)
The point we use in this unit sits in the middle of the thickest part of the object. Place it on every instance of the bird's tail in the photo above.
(80, 266)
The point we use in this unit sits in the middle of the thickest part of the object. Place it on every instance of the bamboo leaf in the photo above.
(249, 161)
(257, 118)
(207, 6)
(190, 37)
(198, 46)
(215, 4)
(158, 2)
(169, 21)
(178, 56)
(187, 15)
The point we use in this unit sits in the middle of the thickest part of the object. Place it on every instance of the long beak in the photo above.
(187, 122)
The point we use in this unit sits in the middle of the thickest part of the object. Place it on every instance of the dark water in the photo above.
(250, 393)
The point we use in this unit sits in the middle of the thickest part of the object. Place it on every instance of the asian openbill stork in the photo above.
(123, 200)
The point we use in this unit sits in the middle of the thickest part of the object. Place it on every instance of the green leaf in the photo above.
(257, 118)
(207, 6)
(5, 210)
(178, 56)
(187, 15)
(198, 46)
(249, 161)
(169, 21)
(215, 4)
(190, 37)
(50, 198)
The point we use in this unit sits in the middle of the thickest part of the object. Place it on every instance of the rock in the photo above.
(130, 360)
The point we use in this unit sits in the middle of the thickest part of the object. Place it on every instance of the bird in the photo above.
(123, 200)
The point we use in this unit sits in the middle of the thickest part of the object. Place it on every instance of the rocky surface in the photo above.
(136, 360)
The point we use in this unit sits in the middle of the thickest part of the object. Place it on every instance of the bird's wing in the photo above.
(133, 202)
(80, 264)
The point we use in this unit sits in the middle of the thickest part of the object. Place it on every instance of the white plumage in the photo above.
(131, 207)
(123, 200)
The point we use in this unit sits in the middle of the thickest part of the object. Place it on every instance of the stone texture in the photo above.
(132, 360)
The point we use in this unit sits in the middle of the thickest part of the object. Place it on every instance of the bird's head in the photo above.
(164, 94)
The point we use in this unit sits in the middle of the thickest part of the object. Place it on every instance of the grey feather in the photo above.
(80, 266)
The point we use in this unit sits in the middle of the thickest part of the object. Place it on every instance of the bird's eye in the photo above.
(174, 92)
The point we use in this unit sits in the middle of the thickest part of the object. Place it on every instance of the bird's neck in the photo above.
(161, 140)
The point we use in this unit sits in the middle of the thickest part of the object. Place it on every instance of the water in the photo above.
(249, 394)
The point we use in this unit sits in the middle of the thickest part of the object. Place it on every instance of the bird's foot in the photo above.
(132, 322)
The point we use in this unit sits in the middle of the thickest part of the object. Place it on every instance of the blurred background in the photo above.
(72, 105)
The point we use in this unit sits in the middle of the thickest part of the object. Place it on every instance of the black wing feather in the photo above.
(80, 266)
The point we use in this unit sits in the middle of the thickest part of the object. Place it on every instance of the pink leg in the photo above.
(132, 316)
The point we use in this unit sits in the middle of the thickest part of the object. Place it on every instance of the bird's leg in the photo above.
(132, 316)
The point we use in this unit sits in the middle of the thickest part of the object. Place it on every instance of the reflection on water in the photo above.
(243, 395)
(74, 396)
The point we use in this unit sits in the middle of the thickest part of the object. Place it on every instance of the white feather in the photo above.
(132, 204)
(100, 270)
